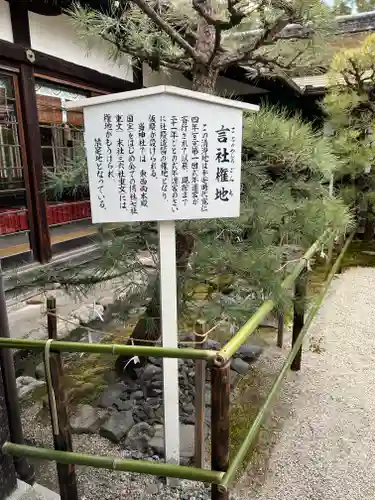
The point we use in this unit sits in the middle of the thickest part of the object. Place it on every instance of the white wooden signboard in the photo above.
(164, 154)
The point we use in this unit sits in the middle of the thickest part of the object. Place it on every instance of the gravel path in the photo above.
(326, 446)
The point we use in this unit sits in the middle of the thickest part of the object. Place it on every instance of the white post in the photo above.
(168, 297)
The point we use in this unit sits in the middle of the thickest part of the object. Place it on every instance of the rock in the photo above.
(186, 440)
(156, 361)
(152, 489)
(117, 426)
(212, 344)
(207, 395)
(86, 420)
(189, 408)
(88, 313)
(27, 385)
(110, 395)
(124, 405)
(154, 392)
(137, 395)
(234, 378)
(153, 403)
(40, 371)
(239, 366)
(151, 371)
(139, 436)
(249, 352)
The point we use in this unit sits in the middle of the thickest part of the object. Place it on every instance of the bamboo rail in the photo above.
(252, 324)
(116, 464)
(116, 349)
(255, 427)
(222, 475)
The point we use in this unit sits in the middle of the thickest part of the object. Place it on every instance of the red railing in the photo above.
(13, 221)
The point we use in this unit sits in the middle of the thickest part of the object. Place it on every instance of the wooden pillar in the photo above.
(299, 315)
(220, 394)
(33, 170)
(62, 436)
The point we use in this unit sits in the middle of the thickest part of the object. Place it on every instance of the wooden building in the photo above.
(43, 65)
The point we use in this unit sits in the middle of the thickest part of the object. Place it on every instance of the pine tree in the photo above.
(234, 264)
(350, 108)
(205, 37)
(345, 7)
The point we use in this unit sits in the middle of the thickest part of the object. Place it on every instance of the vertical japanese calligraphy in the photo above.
(108, 143)
(224, 154)
(175, 172)
(152, 145)
(205, 160)
(195, 159)
(98, 149)
(143, 181)
(164, 163)
(132, 165)
(163, 157)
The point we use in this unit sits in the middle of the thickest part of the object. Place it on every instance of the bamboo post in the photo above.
(280, 329)
(200, 379)
(220, 393)
(62, 436)
(299, 315)
(23, 468)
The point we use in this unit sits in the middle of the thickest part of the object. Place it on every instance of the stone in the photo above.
(207, 395)
(117, 426)
(156, 361)
(249, 352)
(40, 371)
(88, 313)
(137, 395)
(154, 392)
(124, 405)
(152, 489)
(234, 378)
(239, 366)
(27, 385)
(186, 440)
(189, 408)
(212, 345)
(151, 371)
(86, 420)
(139, 436)
(110, 395)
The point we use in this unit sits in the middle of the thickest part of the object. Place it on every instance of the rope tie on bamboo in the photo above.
(115, 463)
(51, 392)
(308, 265)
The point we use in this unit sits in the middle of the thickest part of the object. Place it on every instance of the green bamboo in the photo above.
(255, 427)
(126, 350)
(252, 324)
(112, 463)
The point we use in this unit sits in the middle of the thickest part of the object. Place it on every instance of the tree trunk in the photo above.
(204, 79)
(369, 224)
(148, 326)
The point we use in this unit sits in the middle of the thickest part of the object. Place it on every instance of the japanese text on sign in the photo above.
(152, 166)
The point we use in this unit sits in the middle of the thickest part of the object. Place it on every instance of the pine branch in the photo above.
(167, 28)
(235, 16)
(245, 52)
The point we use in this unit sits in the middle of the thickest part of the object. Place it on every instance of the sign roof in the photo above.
(162, 90)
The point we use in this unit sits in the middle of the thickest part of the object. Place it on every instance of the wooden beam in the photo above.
(20, 22)
(33, 166)
(34, 178)
(55, 67)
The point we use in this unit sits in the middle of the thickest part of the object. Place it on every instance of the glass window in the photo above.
(61, 131)
(14, 234)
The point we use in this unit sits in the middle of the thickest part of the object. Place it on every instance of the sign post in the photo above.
(164, 154)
